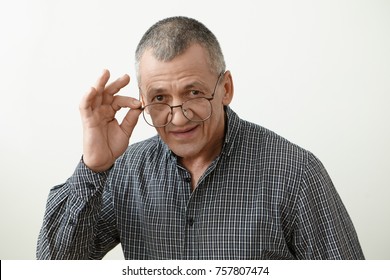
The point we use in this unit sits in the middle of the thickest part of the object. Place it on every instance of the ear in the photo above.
(228, 88)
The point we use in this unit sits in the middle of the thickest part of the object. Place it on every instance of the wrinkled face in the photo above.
(185, 77)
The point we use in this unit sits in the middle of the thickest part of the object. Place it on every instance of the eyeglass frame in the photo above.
(181, 106)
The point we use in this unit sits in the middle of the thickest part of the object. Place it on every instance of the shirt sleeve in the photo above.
(323, 228)
(79, 221)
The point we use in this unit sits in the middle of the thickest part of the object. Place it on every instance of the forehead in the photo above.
(193, 61)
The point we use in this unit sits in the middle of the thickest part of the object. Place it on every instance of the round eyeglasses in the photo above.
(198, 109)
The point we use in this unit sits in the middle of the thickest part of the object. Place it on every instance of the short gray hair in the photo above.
(172, 36)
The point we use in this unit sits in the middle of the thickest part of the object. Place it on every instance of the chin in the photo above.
(185, 150)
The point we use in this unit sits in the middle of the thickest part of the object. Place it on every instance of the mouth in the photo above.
(184, 133)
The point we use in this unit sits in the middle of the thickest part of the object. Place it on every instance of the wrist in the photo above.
(96, 169)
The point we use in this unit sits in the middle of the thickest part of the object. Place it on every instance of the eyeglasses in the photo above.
(198, 109)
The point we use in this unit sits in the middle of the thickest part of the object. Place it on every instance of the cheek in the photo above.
(161, 132)
(218, 114)
(215, 122)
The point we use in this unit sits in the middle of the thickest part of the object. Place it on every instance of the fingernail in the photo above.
(136, 102)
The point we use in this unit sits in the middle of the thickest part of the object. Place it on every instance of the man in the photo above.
(208, 186)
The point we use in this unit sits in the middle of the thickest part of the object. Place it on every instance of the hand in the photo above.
(104, 139)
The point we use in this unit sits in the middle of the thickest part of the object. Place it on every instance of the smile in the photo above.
(184, 133)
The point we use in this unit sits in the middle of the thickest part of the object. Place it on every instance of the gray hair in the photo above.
(172, 36)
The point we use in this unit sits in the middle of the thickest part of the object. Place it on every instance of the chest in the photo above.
(226, 216)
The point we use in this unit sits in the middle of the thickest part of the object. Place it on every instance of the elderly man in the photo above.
(209, 185)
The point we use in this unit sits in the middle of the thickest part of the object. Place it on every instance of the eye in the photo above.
(158, 98)
(195, 93)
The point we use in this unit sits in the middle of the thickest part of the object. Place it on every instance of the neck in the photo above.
(198, 165)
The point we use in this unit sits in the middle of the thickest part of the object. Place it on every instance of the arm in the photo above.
(79, 222)
(323, 228)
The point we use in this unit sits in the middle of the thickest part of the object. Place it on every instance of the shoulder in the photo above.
(141, 153)
(146, 146)
(257, 147)
(271, 146)
(287, 158)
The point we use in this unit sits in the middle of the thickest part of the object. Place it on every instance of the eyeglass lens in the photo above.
(159, 115)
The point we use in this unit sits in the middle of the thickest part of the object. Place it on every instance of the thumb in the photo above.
(130, 121)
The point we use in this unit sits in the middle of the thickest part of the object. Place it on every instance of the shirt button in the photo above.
(188, 179)
(190, 221)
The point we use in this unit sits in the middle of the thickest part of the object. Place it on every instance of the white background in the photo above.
(316, 72)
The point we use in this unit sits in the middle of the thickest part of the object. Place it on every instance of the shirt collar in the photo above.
(233, 127)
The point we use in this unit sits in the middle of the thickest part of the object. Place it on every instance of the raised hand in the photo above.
(104, 139)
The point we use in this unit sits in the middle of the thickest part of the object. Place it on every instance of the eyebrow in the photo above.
(157, 90)
(195, 85)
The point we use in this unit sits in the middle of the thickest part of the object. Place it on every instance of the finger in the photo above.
(102, 81)
(120, 101)
(99, 88)
(86, 104)
(117, 85)
(130, 121)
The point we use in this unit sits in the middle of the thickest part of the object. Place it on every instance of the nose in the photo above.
(178, 118)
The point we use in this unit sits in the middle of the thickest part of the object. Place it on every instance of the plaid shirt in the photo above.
(262, 198)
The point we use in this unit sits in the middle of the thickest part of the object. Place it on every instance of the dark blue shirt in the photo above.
(261, 198)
